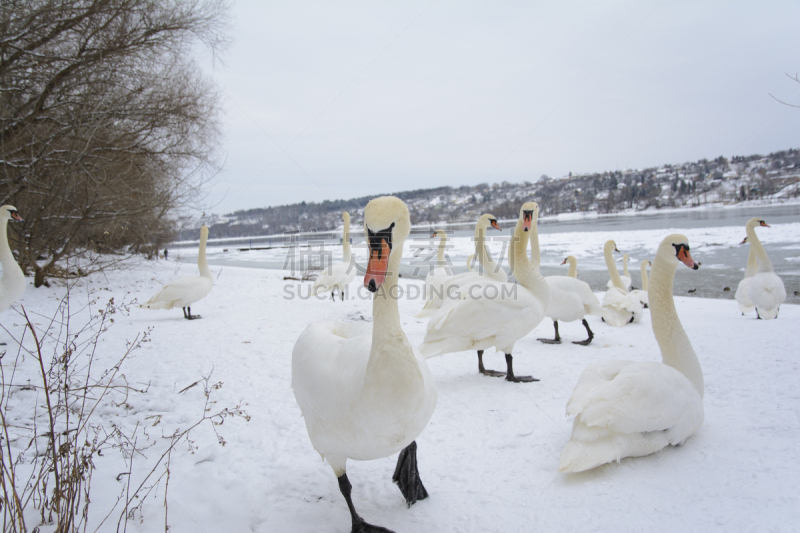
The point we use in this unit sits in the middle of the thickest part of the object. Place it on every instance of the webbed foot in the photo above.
(406, 475)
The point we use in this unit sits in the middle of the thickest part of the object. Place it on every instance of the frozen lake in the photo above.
(714, 234)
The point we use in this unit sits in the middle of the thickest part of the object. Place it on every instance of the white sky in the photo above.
(328, 100)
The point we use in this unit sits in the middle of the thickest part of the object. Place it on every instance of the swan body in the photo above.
(338, 275)
(625, 277)
(766, 289)
(185, 291)
(630, 408)
(619, 306)
(12, 284)
(742, 290)
(453, 286)
(363, 391)
(493, 313)
(641, 294)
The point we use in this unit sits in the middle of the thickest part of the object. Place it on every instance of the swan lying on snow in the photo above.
(625, 278)
(619, 307)
(742, 296)
(641, 294)
(364, 392)
(12, 284)
(339, 275)
(493, 313)
(628, 408)
(766, 289)
(185, 291)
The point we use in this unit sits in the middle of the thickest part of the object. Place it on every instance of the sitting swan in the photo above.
(766, 289)
(619, 306)
(641, 294)
(625, 278)
(742, 296)
(453, 287)
(12, 284)
(367, 394)
(339, 275)
(493, 313)
(185, 291)
(630, 408)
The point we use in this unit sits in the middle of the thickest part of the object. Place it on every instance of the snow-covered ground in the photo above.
(490, 453)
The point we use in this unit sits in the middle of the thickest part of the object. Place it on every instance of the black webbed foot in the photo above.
(550, 341)
(482, 370)
(510, 373)
(589, 332)
(586, 342)
(362, 527)
(406, 475)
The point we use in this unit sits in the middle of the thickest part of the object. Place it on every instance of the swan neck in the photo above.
(625, 266)
(524, 270)
(764, 264)
(536, 255)
(6, 257)
(485, 260)
(612, 268)
(202, 263)
(346, 242)
(752, 263)
(644, 276)
(573, 269)
(676, 350)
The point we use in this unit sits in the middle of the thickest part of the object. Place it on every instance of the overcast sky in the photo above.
(328, 100)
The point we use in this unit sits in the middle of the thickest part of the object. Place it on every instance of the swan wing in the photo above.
(180, 292)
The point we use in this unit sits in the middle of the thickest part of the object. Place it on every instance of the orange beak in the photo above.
(376, 267)
(495, 225)
(686, 259)
(527, 218)
(765, 224)
(16, 216)
(564, 262)
(743, 240)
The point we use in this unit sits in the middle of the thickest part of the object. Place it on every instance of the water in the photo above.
(714, 235)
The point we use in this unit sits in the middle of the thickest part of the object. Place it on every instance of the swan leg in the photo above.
(482, 370)
(406, 475)
(632, 317)
(188, 315)
(333, 295)
(510, 372)
(758, 317)
(589, 331)
(557, 340)
(359, 525)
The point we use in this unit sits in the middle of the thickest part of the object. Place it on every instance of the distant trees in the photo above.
(106, 125)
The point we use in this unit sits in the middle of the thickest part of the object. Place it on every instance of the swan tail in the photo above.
(157, 305)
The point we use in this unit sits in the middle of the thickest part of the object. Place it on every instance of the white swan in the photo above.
(439, 272)
(365, 393)
(630, 408)
(745, 303)
(185, 291)
(573, 266)
(12, 284)
(619, 307)
(766, 289)
(641, 294)
(625, 277)
(339, 275)
(570, 298)
(453, 287)
(493, 313)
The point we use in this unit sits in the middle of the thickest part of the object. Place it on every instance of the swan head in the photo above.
(527, 214)
(743, 240)
(386, 226)
(753, 222)
(675, 248)
(9, 212)
(611, 246)
(569, 259)
(346, 218)
(438, 233)
(488, 220)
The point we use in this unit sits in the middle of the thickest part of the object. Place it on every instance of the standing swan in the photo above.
(766, 289)
(742, 296)
(12, 284)
(185, 291)
(619, 307)
(339, 275)
(629, 408)
(492, 313)
(641, 294)
(366, 395)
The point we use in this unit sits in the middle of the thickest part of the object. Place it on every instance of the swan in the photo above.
(573, 266)
(439, 272)
(570, 298)
(632, 408)
(454, 285)
(745, 303)
(12, 284)
(494, 313)
(625, 278)
(185, 291)
(766, 289)
(641, 294)
(365, 393)
(619, 307)
(339, 275)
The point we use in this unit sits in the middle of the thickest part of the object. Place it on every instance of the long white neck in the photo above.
(346, 241)
(485, 260)
(612, 266)
(440, 253)
(625, 266)
(573, 267)
(202, 264)
(536, 256)
(644, 275)
(6, 257)
(525, 271)
(764, 264)
(676, 350)
(752, 263)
